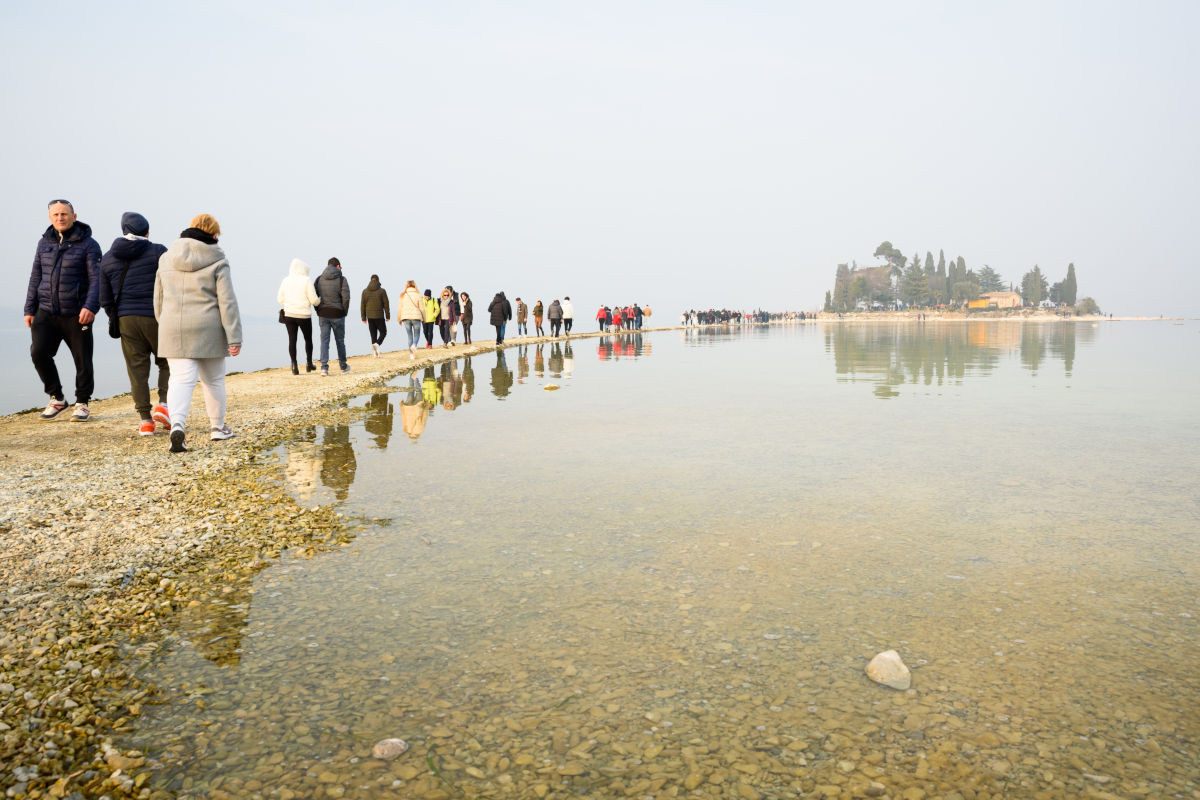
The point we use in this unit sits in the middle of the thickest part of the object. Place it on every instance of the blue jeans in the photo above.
(413, 328)
(500, 332)
(338, 326)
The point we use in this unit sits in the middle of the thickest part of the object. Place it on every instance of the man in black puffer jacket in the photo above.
(127, 274)
(61, 304)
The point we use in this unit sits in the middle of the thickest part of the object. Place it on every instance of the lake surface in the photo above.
(666, 577)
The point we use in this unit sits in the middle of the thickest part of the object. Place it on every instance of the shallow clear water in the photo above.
(667, 577)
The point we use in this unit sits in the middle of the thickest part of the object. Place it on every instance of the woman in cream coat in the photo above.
(298, 298)
(198, 325)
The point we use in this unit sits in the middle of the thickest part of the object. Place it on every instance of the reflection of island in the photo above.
(379, 420)
(623, 345)
(893, 355)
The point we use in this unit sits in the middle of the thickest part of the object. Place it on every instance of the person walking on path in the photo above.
(375, 312)
(568, 315)
(60, 305)
(298, 297)
(334, 292)
(198, 325)
(537, 318)
(468, 317)
(412, 312)
(127, 273)
(432, 309)
(501, 311)
(601, 317)
(522, 318)
(556, 317)
(447, 315)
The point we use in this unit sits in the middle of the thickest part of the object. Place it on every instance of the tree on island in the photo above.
(1087, 306)
(1033, 286)
(914, 288)
(990, 280)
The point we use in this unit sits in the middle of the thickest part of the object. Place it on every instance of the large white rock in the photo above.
(387, 749)
(888, 669)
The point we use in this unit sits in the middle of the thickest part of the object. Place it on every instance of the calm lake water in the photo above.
(665, 579)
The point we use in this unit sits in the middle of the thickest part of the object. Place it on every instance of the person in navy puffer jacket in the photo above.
(127, 274)
(61, 304)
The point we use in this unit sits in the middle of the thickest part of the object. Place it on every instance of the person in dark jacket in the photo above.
(127, 273)
(375, 312)
(501, 311)
(61, 304)
(334, 292)
(555, 315)
(468, 316)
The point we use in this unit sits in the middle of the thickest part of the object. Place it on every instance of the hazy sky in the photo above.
(680, 154)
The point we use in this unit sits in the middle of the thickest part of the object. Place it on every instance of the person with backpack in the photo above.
(127, 273)
(334, 292)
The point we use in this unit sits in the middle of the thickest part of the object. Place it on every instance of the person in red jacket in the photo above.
(601, 316)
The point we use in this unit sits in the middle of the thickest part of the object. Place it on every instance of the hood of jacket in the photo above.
(499, 296)
(373, 284)
(556, 303)
(129, 249)
(298, 267)
(331, 273)
(76, 233)
(192, 255)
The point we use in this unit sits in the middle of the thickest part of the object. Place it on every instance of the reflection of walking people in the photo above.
(338, 462)
(334, 291)
(61, 304)
(298, 298)
(413, 411)
(501, 311)
(379, 420)
(375, 312)
(502, 377)
(198, 325)
(127, 274)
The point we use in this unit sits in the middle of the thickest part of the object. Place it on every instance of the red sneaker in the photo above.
(147, 427)
(162, 416)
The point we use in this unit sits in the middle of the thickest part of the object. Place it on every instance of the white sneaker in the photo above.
(219, 434)
(375, 348)
(54, 408)
(81, 413)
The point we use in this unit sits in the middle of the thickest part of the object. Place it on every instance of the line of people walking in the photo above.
(622, 317)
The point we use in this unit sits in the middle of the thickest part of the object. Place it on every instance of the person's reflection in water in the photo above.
(338, 463)
(604, 350)
(556, 360)
(522, 363)
(215, 625)
(451, 384)
(303, 469)
(637, 345)
(539, 362)
(502, 377)
(413, 411)
(431, 391)
(468, 380)
(568, 360)
(379, 420)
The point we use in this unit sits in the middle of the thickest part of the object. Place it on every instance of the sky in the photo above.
(676, 154)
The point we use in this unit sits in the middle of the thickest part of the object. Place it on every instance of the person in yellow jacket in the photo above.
(432, 309)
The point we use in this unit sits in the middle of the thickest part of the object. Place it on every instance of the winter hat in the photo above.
(135, 223)
(428, 293)
(206, 223)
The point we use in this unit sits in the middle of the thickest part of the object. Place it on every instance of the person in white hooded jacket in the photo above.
(298, 298)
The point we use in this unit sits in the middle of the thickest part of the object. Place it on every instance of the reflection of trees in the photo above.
(502, 377)
(379, 420)
(338, 463)
(892, 356)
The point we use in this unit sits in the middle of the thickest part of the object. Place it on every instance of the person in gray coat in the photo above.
(334, 291)
(198, 325)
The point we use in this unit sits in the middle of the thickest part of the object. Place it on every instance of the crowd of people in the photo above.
(721, 316)
(622, 317)
(173, 307)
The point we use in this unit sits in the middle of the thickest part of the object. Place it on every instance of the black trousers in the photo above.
(567, 323)
(428, 326)
(48, 331)
(304, 326)
(377, 329)
(555, 326)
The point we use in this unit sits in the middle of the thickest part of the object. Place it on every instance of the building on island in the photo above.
(995, 300)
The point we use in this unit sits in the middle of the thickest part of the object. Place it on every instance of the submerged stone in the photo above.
(887, 668)
(387, 749)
